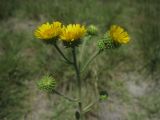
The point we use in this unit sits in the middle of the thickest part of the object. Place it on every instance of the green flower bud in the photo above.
(92, 30)
(47, 83)
(107, 43)
(103, 95)
(101, 44)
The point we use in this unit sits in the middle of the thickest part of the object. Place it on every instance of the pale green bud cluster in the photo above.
(107, 43)
(47, 83)
(92, 30)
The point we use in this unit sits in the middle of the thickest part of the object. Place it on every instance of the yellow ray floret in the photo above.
(72, 32)
(118, 34)
(48, 31)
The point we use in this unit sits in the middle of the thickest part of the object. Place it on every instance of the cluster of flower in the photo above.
(72, 34)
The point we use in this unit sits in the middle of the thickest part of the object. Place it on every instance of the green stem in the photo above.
(91, 59)
(62, 54)
(78, 82)
(88, 107)
(83, 48)
(66, 97)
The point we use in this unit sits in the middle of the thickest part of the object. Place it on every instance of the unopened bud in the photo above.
(103, 95)
(47, 83)
(107, 43)
(92, 30)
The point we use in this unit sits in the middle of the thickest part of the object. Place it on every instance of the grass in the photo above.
(13, 74)
(23, 59)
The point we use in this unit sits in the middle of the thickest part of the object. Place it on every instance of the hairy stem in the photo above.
(88, 107)
(64, 96)
(90, 60)
(83, 49)
(78, 82)
(62, 54)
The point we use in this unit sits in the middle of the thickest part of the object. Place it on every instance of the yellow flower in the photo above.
(118, 34)
(72, 32)
(48, 31)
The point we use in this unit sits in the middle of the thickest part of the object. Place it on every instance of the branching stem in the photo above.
(91, 59)
(78, 82)
(62, 54)
(66, 97)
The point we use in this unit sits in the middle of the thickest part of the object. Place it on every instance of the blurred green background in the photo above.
(130, 74)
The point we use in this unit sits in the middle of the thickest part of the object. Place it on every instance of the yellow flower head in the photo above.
(118, 34)
(72, 32)
(48, 31)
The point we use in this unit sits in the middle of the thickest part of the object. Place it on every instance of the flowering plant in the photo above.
(71, 37)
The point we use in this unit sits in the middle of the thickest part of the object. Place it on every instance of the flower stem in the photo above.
(66, 97)
(91, 59)
(62, 54)
(83, 48)
(78, 82)
(88, 107)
